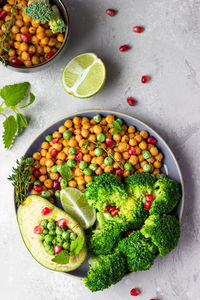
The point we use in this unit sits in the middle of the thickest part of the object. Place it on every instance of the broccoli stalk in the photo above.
(57, 24)
(39, 11)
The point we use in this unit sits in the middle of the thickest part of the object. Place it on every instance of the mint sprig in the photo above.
(12, 95)
(61, 258)
(76, 246)
(117, 127)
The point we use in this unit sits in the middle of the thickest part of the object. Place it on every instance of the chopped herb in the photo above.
(117, 127)
(61, 258)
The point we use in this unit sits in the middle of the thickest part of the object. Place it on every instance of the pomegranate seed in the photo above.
(131, 150)
(113, 208)
(147, 205)
(51, 54)
(25, 37)
(45, 211)
(57, 249)
(38, 188)
(149, 197)
(151, 140)
(131, 101)
(30, 187)
(111, 12)
(124, 48)
(62, 223)
(36, 173)
(138, 29)
(119, 172)
(109, 142)
(114, 213)
(3, 14)
(129, 232)
(56, 185)
(54, 153)
(135, 292)
(153, 299)
(16, 62)
(79, 156)
(55, 140)
(59, 179)
(107, 209)
(38, 229)
(145, 78)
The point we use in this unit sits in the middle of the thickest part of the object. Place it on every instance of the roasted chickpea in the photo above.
(42, 178)
(80, 180)
(133, 160)
(11, 52)
(108, 169)
(35, 60)
(19, 23)
(60, 37)
(49, 163)
(26, 18)
(34, 23)
(24, 29)
(32, 30)
(97, 129)
(131, 129)
(43, 161)
(156, 171)
(54, 176)
(61, 155)
(159, 157)
(36, 156)
(44, 41)
(117, 156)
(84, 133)
(87, 158)
(99, 171)
(58, 45)
(143, 145)
(25, 56)
(78, 172)
(154, 151)
(157, 164)
(48, 183)
(33, 192)
(35, 40)
(36, 164)
(126, 155)
(138, 138)
(72, 183)
(23, 47)
(43, 170)
(123, 146)
(144, 134)
(15, 29)
(52, 42)
(99, 160)
(68, 123)
(110, 119)
(117, 137)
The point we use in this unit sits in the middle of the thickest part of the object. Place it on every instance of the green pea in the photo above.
(72, 151)
(93, 167)
(65, 235)
(97, 118)
(59, 230)
(63, 183)
(41, 236)
(51, 225)
(67, 134)
(108, 161)
(82, 165)
(46, 246)
(45, 231)
(29, 161)
(49, 138)
(73, 236)
(59, 244)
(50, 251)
(98, 151)
(119, 121)
(59, 238)
(54, 169)
(46, 194)
(71, 163)
(101, 137)
(87, 172)
(54, 242)
(58, 168)
(52, 232)
(146, 168)
(48, 238)
(44, 224)
(146, 154)
(57, 194)
(37, 182)
(65, 245)
(128, 167)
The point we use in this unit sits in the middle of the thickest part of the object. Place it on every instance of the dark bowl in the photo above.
(63, 9)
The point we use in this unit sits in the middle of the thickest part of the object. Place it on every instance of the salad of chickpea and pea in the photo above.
(90, 147)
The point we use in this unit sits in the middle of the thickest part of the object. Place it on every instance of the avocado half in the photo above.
(29, 215)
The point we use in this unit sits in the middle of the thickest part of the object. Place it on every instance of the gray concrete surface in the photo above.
(168, 50)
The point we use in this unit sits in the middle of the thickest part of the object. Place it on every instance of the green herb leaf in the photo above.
(15, 93)
(61, 258)
(32, 99)
(10, 129)
(21, 122)
(86, 144)
(117, 127)
(66, 172)
(76, 245)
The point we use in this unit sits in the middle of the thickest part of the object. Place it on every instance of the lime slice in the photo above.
(84, 75)
(74, 203)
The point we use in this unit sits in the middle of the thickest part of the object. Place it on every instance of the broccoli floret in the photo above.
(105, 189)
(164, 232)
(39, 10)
(167, 193)
(104, 238)
(139, 185)
(57, 24)
(138, 251)
(104, 271)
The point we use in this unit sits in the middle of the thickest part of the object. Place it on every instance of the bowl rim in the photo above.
(123, 115)
(67, 33)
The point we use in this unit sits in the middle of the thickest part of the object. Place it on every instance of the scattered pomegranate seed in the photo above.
(57, 249)
(45, 211)
(79, 156)
(149, 197)
(16, 62)
(38, 188)
(153, 299)
(38, 229)
(131, 150)
(55, 140)
(113, 208)
(56, 185)
(59, 179)
(131, 101)
(135, 292)
(62, 223)
(25, 37)
(114, 213)
(36, 173)
(111, 12)
(145, 78)
(30, 187)
(124, 48)
(3, 14)
(54, 153)
(51, 54)
(107, 209)
(151, 140)
(129, 232)
(119, 172)
(138, 29)
(147, 205)
(109, 142)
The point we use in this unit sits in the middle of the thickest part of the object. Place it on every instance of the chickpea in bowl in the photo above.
(28, 42)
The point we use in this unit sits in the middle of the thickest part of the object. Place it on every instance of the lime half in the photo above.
(74, 203)
(84, 75)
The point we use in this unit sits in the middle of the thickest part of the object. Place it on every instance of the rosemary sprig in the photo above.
(20, 180)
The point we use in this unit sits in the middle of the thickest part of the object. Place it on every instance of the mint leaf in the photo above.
(21, 122)
(117, 127)
(15, 93)
(76, 245)
(66, 172)
(10, 129)
(32, 99)
(61, 258)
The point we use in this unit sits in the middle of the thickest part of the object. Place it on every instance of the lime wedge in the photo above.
(84, 75)
(74, 203)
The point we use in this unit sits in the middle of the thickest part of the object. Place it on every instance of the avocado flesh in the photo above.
(29, 215)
